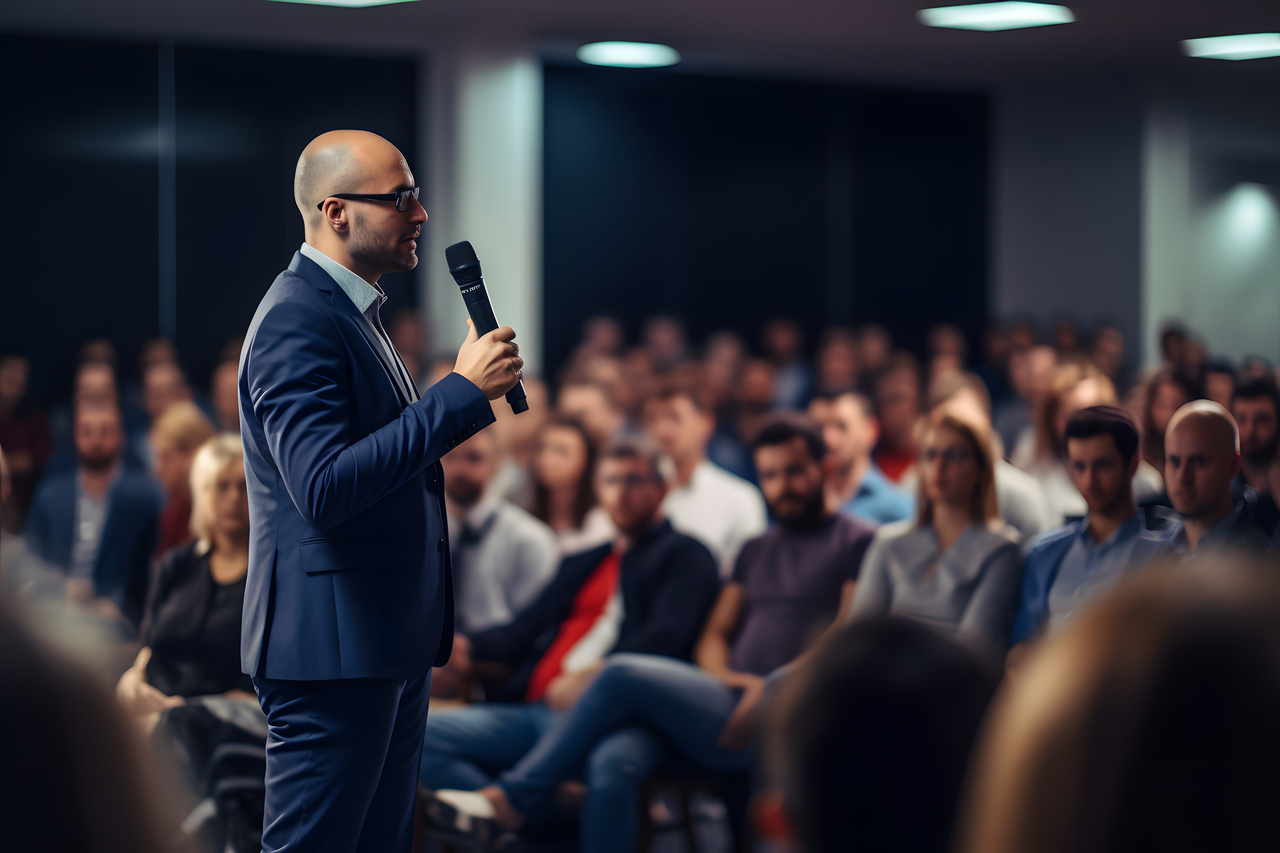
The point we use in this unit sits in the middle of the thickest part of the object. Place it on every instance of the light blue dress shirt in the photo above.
(368, 299)
(1090, 568)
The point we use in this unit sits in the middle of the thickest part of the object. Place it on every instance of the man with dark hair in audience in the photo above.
(1256, 408)
(1066, 568)
(94, 385)
(897, 401)
(98, 523)
(854, 483)
(1202, 458)
(649, 591)
(705, 501)
(788, 586)
(502, 556)
(1219, 381)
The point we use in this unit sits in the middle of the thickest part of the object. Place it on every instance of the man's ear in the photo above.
(770, 819)
(334, 214)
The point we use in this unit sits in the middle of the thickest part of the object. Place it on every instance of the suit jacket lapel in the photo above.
(321, 280)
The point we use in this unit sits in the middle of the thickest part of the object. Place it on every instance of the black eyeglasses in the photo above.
(401, 198)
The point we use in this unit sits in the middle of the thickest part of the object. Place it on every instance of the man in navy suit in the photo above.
(349, 599)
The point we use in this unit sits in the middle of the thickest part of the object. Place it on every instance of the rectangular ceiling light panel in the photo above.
(996, 16)
(1250, 46)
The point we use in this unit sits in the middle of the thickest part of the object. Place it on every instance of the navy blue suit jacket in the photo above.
(349, 572)
(129, 534)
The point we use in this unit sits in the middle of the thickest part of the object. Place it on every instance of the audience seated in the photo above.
(897, 402)
(95, 385)
(1219, 381)
(1067, 568)
(175, 437)
(162, 385)
(1149, 724)
(704, 501)
(869, 741)
(502, 556)
(562, 469)
(518, 438)
(1019, 499)
(957, 566)
(1256, 408)
(1202, 458)
(787, 587)
(855, 483)
(649, 591)
(836, 364)
(24, 433)
(98, 523)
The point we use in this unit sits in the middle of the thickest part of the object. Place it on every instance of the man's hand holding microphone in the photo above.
(492, 361)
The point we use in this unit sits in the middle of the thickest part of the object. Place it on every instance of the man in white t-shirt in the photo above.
(705, 501)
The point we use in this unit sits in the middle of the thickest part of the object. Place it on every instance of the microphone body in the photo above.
(464, 266)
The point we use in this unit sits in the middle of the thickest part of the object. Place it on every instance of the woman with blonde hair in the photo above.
(176, 435)
(957, 565)
(191, 626)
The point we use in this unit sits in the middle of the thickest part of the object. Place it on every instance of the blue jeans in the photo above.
(468, 748)
(683, 703)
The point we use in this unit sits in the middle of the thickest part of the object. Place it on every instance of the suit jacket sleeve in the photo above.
(299, 393)
(688, 583)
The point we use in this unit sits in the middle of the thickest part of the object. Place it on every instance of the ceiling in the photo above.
(869, 40)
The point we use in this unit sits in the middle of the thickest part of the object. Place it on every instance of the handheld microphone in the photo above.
(464, 266)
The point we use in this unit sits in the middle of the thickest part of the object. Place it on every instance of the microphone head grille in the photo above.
(460, 255)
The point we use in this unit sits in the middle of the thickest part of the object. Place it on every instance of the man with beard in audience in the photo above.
(98, 523)
(1256, 408)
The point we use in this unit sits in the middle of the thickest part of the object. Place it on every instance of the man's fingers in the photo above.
(472, 337)
(503, 334)
(517, 364)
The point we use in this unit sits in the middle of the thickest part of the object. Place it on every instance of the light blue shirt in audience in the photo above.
(879, 501)
(1090, 568)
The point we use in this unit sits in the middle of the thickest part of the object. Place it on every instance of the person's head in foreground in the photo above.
(869, 739)
(1149, 724)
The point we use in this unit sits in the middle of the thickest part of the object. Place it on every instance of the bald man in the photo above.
(349, 597)
(1202, 457)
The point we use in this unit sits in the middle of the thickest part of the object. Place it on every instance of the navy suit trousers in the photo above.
(342, 763)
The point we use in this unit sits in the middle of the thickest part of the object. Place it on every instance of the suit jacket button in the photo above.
(440, 547)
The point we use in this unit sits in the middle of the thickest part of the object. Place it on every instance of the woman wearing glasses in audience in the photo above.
(957, 565)
(563, 495)
(191, 625)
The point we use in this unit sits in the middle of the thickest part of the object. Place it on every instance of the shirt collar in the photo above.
(1124, 532)
(482, 514)
(361, 293)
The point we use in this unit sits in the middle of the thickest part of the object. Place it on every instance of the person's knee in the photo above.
(621, 672)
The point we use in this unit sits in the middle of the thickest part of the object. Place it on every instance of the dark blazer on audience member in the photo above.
(669, 582)
(349, 572)
(129, 534)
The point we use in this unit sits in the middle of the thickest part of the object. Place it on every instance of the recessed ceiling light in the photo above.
(996, 16)
(1250, 46)
(353, 4)
(628, 54)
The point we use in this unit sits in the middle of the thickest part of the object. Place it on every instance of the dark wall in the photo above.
(727, 201)
(82, 218)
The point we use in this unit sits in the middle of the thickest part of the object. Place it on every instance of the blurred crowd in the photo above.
(795, 569)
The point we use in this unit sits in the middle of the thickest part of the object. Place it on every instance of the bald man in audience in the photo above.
(1202, 456)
